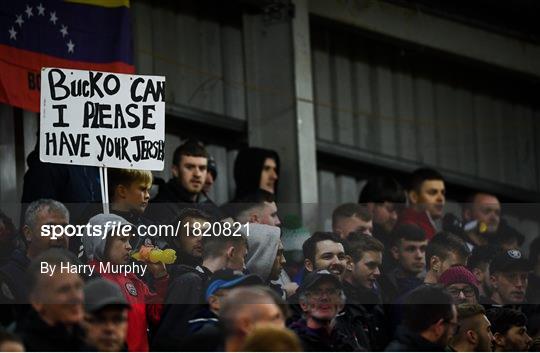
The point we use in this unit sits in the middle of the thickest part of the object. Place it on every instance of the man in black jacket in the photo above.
(429, 321)
(364, 302)
(321, 299)
(39, 213)
(185, 188)
(256, 168)
(185, 296)
(53, 323)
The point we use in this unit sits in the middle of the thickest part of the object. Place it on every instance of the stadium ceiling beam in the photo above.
(433, 32)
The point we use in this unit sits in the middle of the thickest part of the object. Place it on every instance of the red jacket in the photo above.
(420, 219)
(146, 306)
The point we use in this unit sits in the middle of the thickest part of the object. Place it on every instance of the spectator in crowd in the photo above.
(364, 302)
(39, 213)
(485, 211)
(461, 284)
(129, 193)
(426, 194)
(321, 298)
(219, 285)
(256, 207)
(351, 217)
(113, 249)
(243, 310)
(478, 264)
(509, 328)
(442, 252)
(409, 252)
(259, 208)
(509, 278)
(189, 223)
(269, 338)
(474, 333)
(265, 254)
(533, 291)
(106, 316)
(205, 331)
(186, 293)
(211, 175)
(429, 321)
(383, 197)
(255, 168)
(361, 284)
(10, 343)
(325, 251)
(185, 188)
(56, 299)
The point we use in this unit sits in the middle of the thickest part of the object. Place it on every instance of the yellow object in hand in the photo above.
(150, 254)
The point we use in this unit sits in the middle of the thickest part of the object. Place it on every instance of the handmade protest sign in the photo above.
(102, 119)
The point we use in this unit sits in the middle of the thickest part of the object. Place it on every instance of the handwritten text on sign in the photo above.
(102, 119)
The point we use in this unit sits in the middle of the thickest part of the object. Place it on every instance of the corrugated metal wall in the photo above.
(198, 46)
(392, 101)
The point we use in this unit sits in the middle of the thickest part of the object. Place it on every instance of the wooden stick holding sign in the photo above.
(102, 119)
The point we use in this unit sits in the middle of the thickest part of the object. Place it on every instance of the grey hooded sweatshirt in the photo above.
(263, 241)
(93, 242)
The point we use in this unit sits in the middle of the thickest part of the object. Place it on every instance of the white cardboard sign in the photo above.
(102, 119)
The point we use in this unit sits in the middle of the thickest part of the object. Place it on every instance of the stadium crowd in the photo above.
(395, 273)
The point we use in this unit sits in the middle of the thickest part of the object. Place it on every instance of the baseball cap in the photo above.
(509, 261)
(226, 279)
(314, 278)
(99, 293)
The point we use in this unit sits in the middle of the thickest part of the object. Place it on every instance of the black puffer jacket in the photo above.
(365, 309)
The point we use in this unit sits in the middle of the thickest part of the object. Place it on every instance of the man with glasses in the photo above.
(429, 321)
(321, 299)
(509, 278)
(461, 284)
(106, 314)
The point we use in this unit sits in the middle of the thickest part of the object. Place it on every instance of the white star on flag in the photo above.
(12, 33)
(64, 31)
(53, 18)
(29, 11)
(19, 20)
(71, 46)
(41, 10)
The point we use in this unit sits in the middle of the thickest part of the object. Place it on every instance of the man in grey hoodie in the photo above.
(265, 254)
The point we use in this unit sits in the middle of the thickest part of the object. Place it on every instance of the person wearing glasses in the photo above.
(429, 321)
(461, 284)
(321, 299)
(106, 314)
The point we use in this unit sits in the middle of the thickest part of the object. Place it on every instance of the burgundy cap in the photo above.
(457, 274)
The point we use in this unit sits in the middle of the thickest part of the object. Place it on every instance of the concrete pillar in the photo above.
(280, 100)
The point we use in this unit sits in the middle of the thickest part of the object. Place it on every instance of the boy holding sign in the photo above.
(129, 194)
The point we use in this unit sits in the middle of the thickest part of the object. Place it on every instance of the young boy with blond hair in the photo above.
(129, 194)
